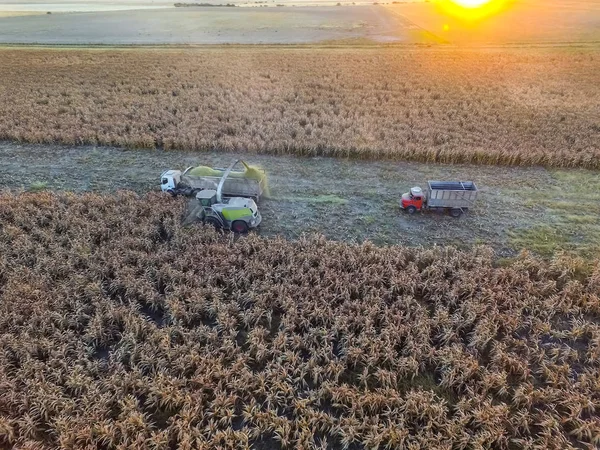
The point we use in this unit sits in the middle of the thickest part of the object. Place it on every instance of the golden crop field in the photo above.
(121, 329)
(498, 106)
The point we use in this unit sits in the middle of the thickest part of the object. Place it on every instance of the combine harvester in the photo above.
(456, 197)
(226, 198)
(250, 182)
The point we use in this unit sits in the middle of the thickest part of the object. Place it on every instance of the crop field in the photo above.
(118, 328)
(341, 322)
(152, 22)
(214, 25)
(493, 106)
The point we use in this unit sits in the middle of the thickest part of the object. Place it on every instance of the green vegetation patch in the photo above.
(38, 186)
(542, 239)
(326, 199)
(572, 204)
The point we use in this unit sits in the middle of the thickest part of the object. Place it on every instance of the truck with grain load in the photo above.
(249, 183)
(456, 197)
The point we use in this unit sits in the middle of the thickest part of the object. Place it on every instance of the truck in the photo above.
(456, 197)
(176, 182)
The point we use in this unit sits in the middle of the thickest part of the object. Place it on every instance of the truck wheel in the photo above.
(411, 209)
(214, 222)
(172, 192)
(239, 226)
(455, 212)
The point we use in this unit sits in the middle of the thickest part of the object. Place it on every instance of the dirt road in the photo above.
(346, 200)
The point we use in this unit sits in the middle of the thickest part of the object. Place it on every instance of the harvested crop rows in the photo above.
(119, 328)
(508, 106)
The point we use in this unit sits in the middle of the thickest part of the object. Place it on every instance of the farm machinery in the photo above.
(250, 182)
(238, 214)
(456, 197)
(222, 203)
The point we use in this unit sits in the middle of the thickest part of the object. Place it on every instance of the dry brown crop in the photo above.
(121, 329)
(493, 106)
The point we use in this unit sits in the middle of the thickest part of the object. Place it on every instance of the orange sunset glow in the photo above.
(471, 10)
(471, 3)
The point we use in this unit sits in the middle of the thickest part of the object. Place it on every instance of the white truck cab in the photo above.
(169, 180)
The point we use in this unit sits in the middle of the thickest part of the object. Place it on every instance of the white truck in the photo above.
(176, 182)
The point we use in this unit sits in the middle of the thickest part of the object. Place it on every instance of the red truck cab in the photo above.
(413, 201)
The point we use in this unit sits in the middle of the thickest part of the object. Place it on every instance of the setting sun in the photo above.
(471, 3)
(472, 10)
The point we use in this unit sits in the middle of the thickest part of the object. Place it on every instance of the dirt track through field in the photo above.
(343, 199)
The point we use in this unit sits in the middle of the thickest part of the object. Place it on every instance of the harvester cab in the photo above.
(413, 201)
(207, 197)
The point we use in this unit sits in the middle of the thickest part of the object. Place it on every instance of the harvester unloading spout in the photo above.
(224, 177)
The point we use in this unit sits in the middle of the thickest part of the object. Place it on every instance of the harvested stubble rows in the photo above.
(519, 107)
(121, 329)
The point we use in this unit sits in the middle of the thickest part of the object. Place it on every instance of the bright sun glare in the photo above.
(472, 10)
(471, 3)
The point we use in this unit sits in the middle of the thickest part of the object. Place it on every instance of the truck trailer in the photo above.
(456, 197)
(176, 182)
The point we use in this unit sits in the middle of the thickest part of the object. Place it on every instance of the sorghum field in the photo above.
(121, 329)
(499, 106)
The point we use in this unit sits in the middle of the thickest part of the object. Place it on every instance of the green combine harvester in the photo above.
(238, 214)
(227, 198)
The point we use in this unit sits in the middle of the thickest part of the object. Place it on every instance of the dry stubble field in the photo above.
(496, 106)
